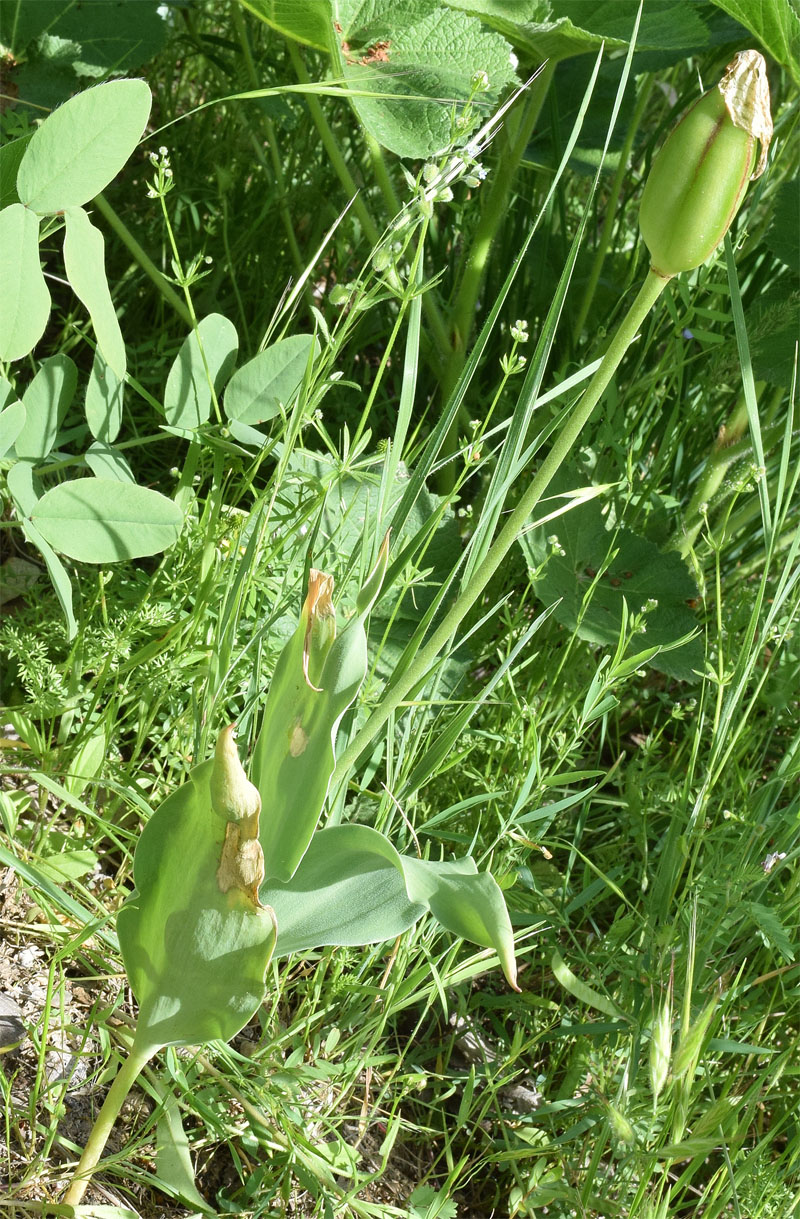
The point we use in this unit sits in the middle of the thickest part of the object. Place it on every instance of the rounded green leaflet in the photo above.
(24, 299)
(83, 145)
(102, 520)
(196, 956)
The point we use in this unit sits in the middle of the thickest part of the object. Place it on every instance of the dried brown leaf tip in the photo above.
(745, 91)
(320, 618)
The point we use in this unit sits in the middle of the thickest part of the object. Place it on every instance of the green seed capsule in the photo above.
(698, 179)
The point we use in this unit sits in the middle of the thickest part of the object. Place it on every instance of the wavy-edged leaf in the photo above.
(24, 300)
(83, 145)
(352, 887)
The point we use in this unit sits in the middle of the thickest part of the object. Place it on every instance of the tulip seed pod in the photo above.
(698, 179)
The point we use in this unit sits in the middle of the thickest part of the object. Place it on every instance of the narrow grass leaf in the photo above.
(82, 146)
(84, 262)
(173, 1159)
(25, 299)
(579, 990)
(101, 520)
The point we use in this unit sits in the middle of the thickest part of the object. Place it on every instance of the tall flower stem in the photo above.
(419, 668)
(137, 1059)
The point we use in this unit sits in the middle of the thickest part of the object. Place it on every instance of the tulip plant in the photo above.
(230, 871)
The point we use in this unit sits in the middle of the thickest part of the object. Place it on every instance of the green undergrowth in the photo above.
(612, 732)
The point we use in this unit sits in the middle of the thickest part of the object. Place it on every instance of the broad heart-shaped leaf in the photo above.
(12, 420)
(352, 887)
(101, 36)
(257, 391)
(47, 400)
(102, 520)
(423, 51)
(24, 298)
(83, 145)
(104, 398)
(638, 573)
(309, 23)
(196, 957)
(188, 397)
(84, 262)
(559, 29)
(293, 759)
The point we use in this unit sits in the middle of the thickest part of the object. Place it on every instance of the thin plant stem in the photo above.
(138, 1057)
(145, 262)
(612, 206)
(419, 668)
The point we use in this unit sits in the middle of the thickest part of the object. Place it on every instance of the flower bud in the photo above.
(698, 179)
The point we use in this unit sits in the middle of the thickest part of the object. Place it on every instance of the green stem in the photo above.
(331, 146)
(724, 453)
(145, 262)
(418, 670)
(126, 1077)
(612, 208)
(492, 216)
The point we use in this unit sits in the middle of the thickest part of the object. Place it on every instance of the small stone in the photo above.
(12, 1026)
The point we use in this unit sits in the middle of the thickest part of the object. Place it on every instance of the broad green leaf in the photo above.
(10, 157)
(12, 420)
(68, 865)
(86, 763)
(196, 957)
(783, 235)
(101, 35)
(352, 887)
(559, 29)
(83, 145)
(56, 570)
(84, 262)
(257, 391)
(465, 901)
(316, 679)
(776, 25)
(348, 889)
(306, 21)
(46, 400)
(208, 352)
(107, 462)
(24, 487)
(637, 574)
(100, 520)
(104, 398)
(7, 392)
(24, 299)
(423, 51)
